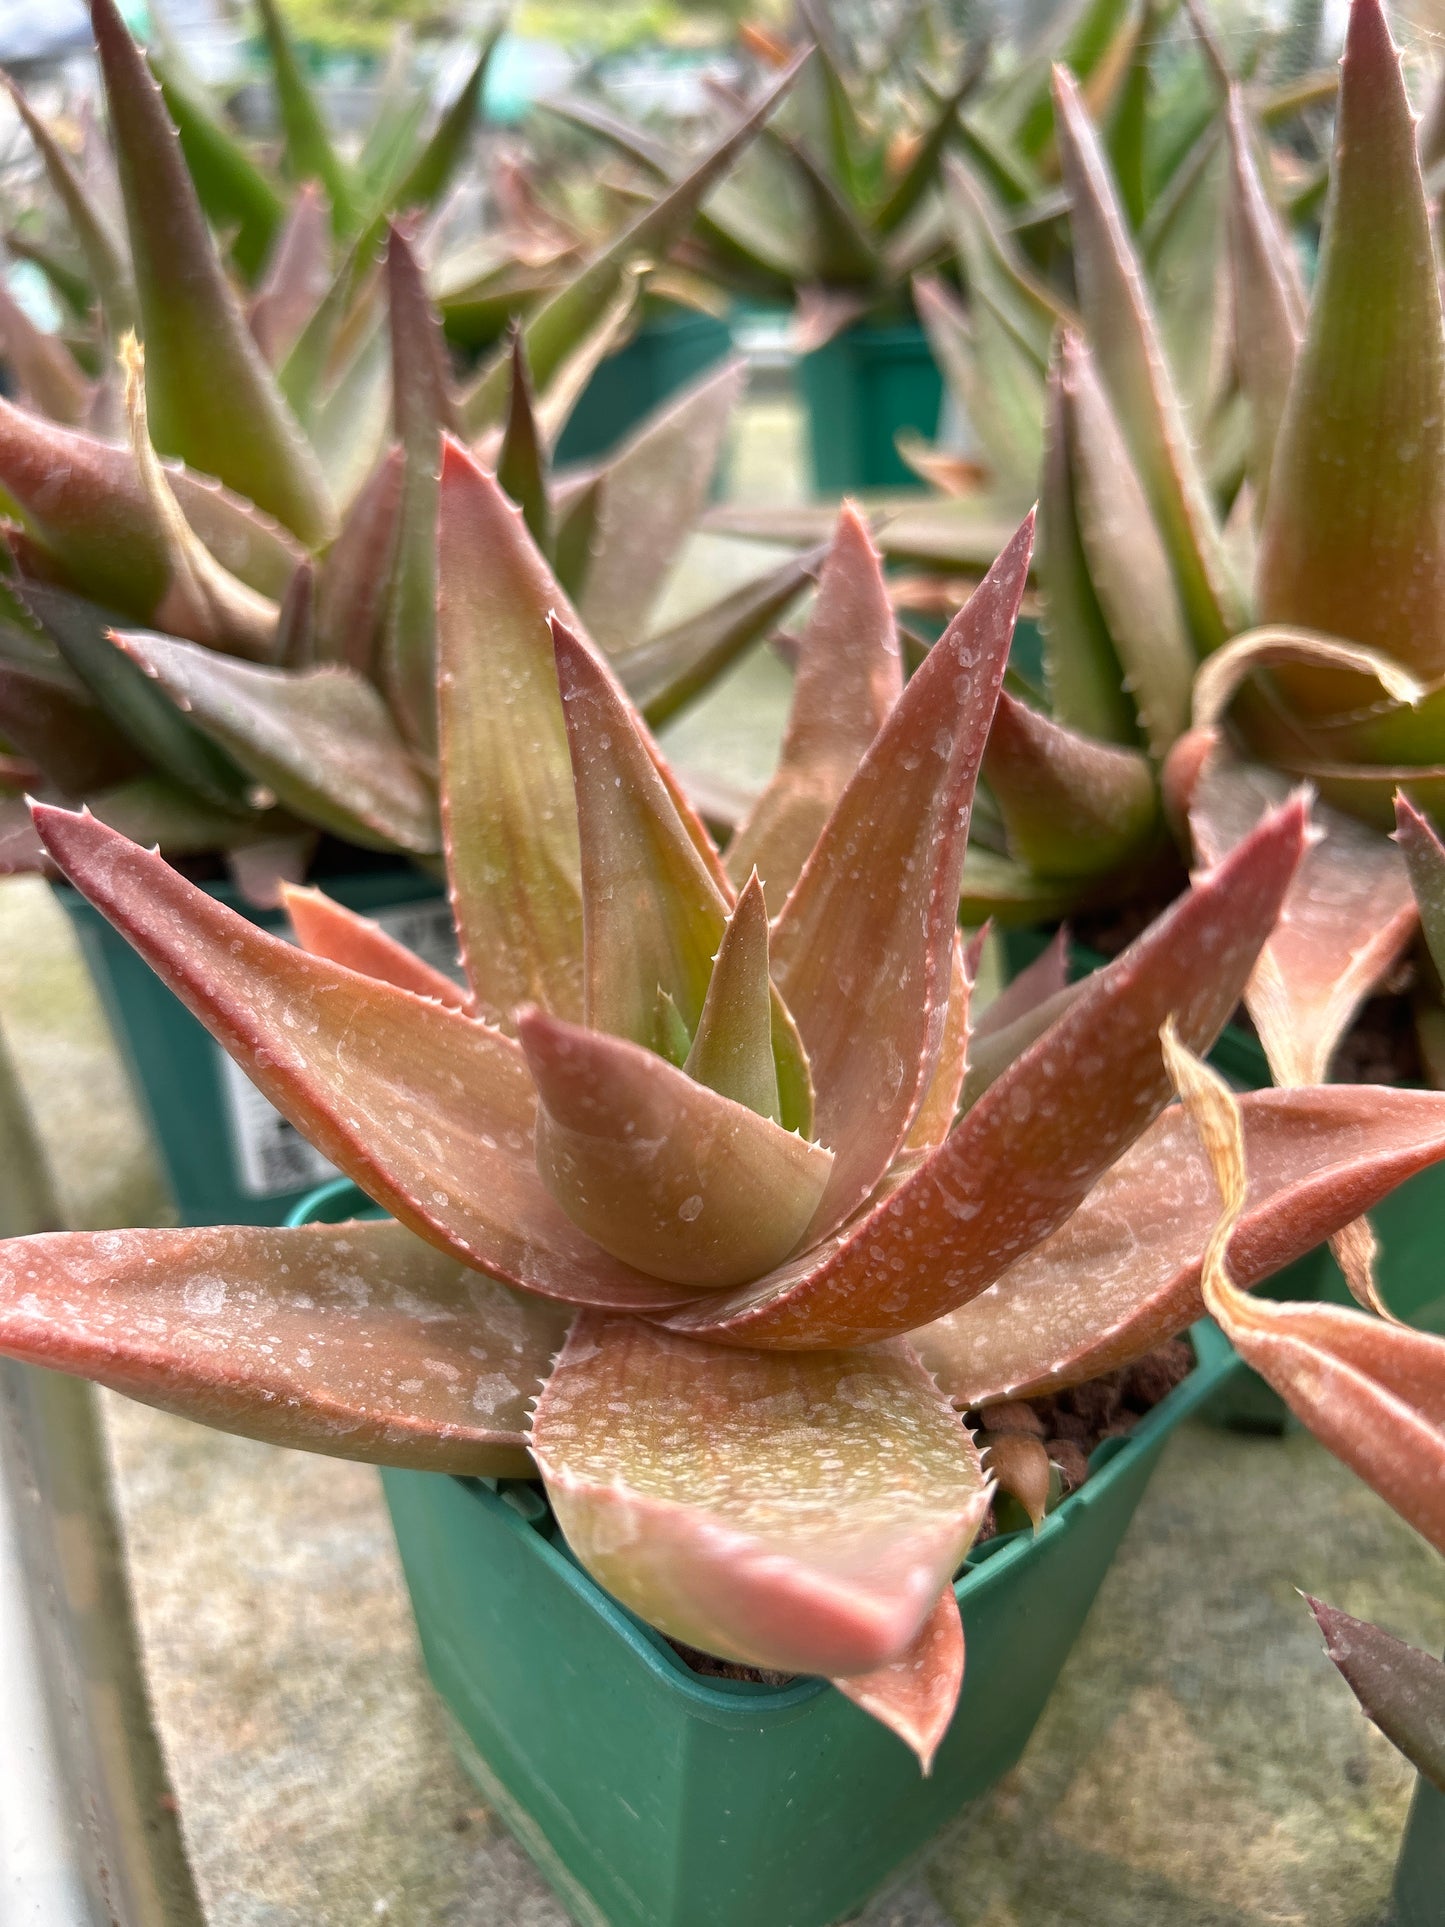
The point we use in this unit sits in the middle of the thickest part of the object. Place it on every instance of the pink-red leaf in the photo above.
(676, 1179)
(863, 947)
(801, 1513)
(849, 677)
(916, 1695)
(356, 1340)
(1373, 1393)
(1122, 1274)
(508, 812)
(327, 928)
(426, 1109)
(1400, 1689)
(1348, 916)
(1031, 1149)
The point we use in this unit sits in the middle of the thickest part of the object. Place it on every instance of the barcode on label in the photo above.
(269, 1155)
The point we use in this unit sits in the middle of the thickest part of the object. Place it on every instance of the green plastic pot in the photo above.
(858, 391)
(1419, 1896)
(668, 351)
(228, 1156)
(649, 1796)
(1408, 1224)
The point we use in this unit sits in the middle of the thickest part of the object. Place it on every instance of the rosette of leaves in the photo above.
(692, 1153)
(222, 632)
(836, 205)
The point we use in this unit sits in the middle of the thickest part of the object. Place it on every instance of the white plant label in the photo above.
(269, 1156)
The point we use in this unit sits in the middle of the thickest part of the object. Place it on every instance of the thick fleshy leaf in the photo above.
(650, 496)
(102, 246)
(863, 947)
(1034, 985)
(1353, 540)
(1070, 806)
(665, 672)
(320, 739)
(40, 365)
(1348, 916)
(995, 379)
(298, 275)
(1269, 299)
(1128, 569)
(47, 716)
(849, 677)
(522, 457)
(1124, 334)
(1122, 1274)
(426, 1109)
(1372, 1392)
(1028, 1153)
(442, 151)
(237, 196)
(328, 929)
(129, 699)
(355, 573)
(1081, 665)
(559, 323)
(816, 1545)
(202, 600)
(732, 1051)
(212, 399)
(995, 269)
(356, 1340)
(422, 412)
(653, 914)
(669, 1176)
(1401, 1689)
(308, 154)
(1425, 865)
(933, 1120)
(508, 811)
(916, 1695)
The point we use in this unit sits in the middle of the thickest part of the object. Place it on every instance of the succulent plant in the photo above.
(834, 207)
(689, 1149)
(283, 573)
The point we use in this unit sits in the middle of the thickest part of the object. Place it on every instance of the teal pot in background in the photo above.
(1419, 1896)
(650, 1796)
(858, 391)
(228, 1156)
(674, 346)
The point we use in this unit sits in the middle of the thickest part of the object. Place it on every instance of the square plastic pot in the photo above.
(1419, 1896)
(858, 391)
(228, 1156)
(650, 1796)
(668, 351)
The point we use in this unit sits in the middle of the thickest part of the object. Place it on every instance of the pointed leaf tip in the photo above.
(916, 1695)
(678, 1180)
(876, 905)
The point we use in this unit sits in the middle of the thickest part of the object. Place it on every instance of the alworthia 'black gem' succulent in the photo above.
(686, 1157)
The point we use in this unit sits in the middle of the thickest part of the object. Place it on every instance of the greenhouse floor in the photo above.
(1200, 1764)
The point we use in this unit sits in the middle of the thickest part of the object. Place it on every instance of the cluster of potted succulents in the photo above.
(742, 1314)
